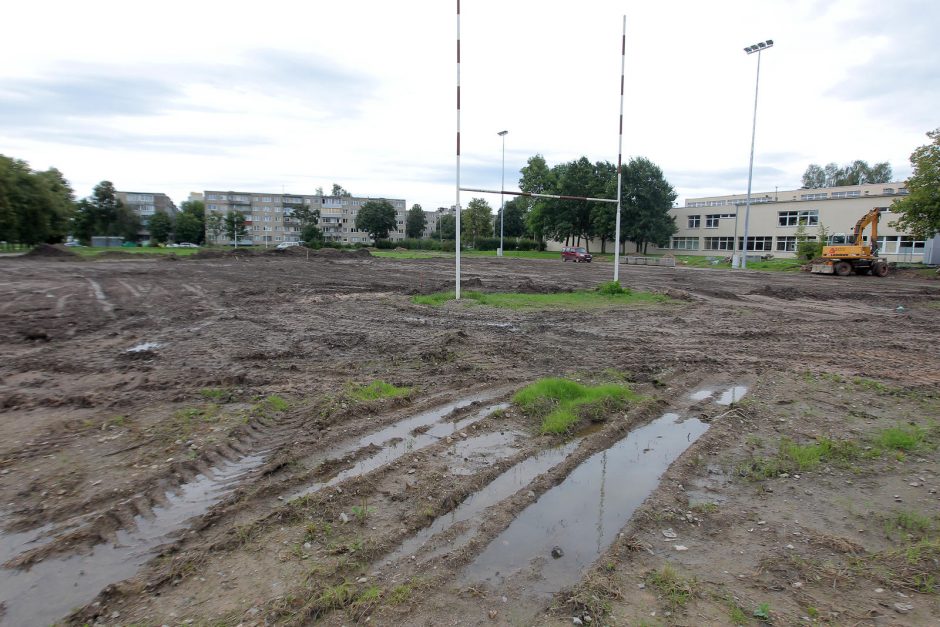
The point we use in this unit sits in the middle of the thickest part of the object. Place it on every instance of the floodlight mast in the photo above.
(758, 48)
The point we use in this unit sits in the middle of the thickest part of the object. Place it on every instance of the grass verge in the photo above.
(561, 403)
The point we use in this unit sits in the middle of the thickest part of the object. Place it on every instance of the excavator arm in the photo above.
(869, 218)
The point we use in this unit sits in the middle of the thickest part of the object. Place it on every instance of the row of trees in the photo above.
(856, 173)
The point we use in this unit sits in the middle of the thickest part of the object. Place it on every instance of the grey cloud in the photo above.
(902, 83)
(76, 104)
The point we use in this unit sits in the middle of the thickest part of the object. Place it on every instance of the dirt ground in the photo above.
(180, 445)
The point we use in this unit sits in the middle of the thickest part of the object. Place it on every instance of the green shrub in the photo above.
(376, 390)
(612, 288)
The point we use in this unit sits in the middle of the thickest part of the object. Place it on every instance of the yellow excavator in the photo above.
(844, 254)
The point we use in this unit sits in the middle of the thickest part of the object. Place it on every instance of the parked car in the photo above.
(187, 245)
(73, 244)
(577, 254)
(284, 245)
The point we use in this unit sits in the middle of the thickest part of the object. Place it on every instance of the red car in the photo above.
(576, 254)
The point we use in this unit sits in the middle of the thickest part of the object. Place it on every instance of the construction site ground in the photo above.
(181, 443)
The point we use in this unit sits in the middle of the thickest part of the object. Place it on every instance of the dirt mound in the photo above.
(52, 251)
(362, 252)
(784, 292)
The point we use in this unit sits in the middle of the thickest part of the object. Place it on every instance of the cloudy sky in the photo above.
(290, 95)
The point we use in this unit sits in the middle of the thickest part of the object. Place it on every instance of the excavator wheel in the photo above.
(879, 268)
(842, 268)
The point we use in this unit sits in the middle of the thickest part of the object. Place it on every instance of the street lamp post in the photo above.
(758, 48)
(502, 196)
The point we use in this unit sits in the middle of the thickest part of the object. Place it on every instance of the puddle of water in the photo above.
(583, 514)
(146, 346)
(52, 588)
(724, 397)
(503, 486)
(12, 544)
(732, 395)
(404, 441)
(473, 454)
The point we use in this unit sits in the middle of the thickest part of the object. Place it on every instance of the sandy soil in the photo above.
(179, 446)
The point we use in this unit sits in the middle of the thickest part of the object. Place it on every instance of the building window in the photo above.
(759, 242)
(807, 217)
(821, 196)
(695, 221)
(719, 243)
(900, 245)
(685, 243)
(711, 221)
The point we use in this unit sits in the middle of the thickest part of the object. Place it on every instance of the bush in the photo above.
(809, 250)
(509, 243)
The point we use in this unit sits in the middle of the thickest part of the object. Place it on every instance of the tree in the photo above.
(126, 223)
(188, 228)
(646, 200)
(105, 208)
(35, 207)
(215, 225)
(191, 210)
(377, 218)
(339, 191)
(920, 209)
(304, 215)
(537, 178)
(312, 236)
(856, 173)
(319, 192)
(234, 223)
(160, 227)
(476, 220)
(814, 177)
(416, 222)
(513, 220)
(447, 226)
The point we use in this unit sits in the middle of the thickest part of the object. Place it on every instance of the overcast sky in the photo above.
(263, 96)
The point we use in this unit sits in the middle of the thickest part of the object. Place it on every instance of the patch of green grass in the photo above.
(763, 611)
(793, 457)
(95, 251)
(559, 300)
(335, 597)
(376, 390)
(910, 522)
(277, 403)
(400, 594)
(901, 438)
(612, 288)
(736, 613)
(675, 589)
(560, 403)
(216, 394)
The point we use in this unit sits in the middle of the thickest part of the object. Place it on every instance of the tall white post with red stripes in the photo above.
(457, 243)
(623, 60)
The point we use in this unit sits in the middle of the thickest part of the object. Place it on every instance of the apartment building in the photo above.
(268, 216)
(715, 225)
(145, 204)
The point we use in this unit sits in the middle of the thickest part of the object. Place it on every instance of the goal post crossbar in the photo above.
(534, 195)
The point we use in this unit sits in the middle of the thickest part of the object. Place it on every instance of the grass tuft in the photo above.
(376, 390)
(901, 438)
(562, 402)
(675, 589)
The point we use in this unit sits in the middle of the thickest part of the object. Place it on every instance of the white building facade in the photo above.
(715, 225)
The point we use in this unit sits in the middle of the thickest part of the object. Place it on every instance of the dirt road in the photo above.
(179, 443)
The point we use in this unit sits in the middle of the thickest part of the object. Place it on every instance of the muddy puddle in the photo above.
(52, 588)
(505, 485)
(402, 438)
(721, 396)
(473, 454)
(582, 515)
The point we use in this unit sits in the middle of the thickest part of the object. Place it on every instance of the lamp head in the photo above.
(502, 133)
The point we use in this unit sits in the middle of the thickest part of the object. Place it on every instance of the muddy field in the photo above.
(180, 444)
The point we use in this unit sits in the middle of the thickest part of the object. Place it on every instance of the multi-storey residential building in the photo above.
(432, 219)
(145, 204)
(268, 216)
(715, 225)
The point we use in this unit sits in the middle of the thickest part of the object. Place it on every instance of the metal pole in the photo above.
(457, 235)
(623, 58)
(502, 196)
(750, 168)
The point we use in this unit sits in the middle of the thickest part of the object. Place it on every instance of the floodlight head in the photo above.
(763, 45)
(502, 133)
